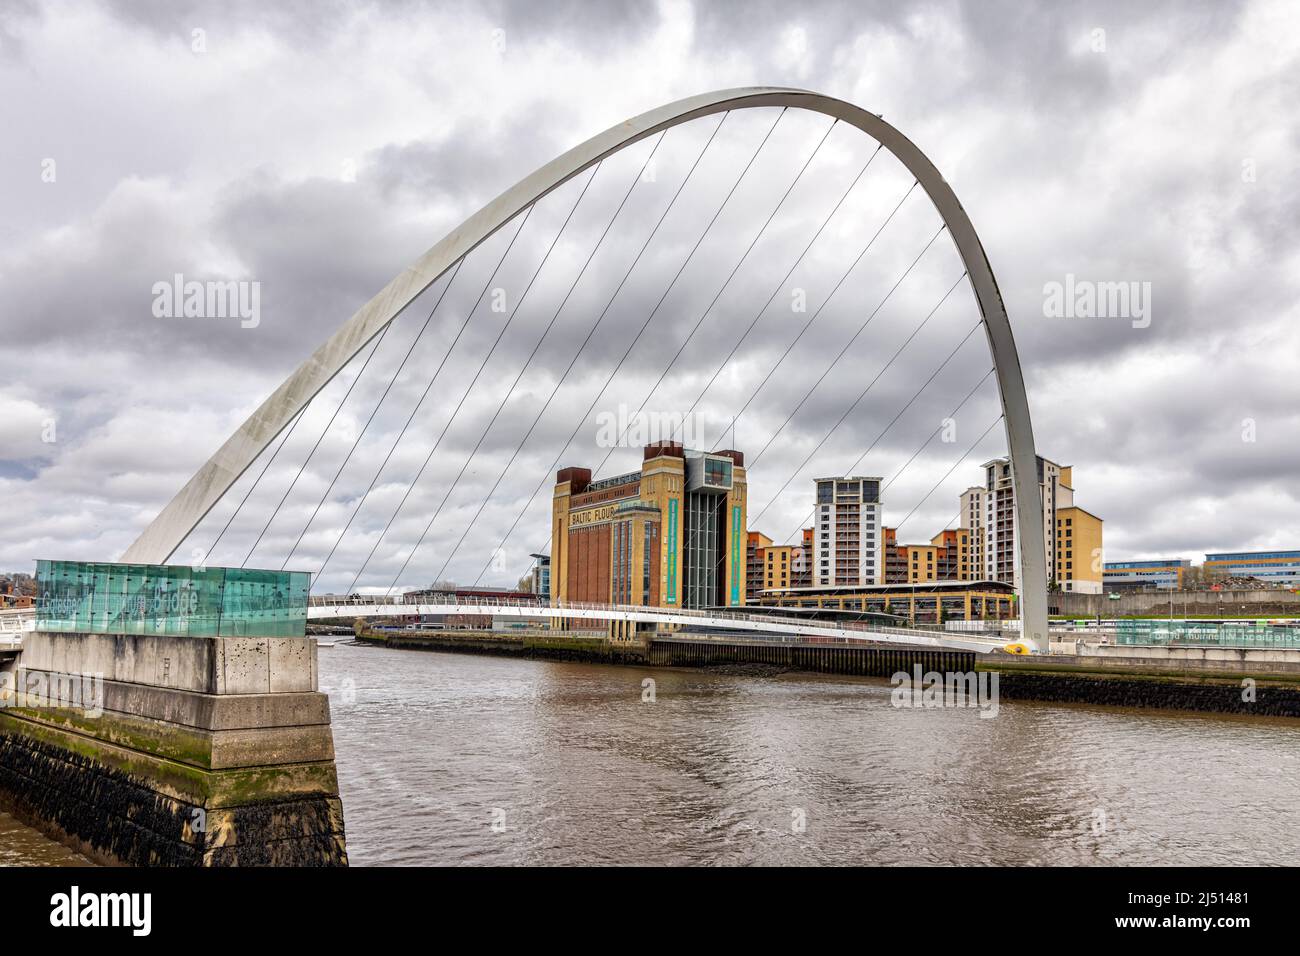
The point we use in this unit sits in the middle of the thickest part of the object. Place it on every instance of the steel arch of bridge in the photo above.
(183, 513)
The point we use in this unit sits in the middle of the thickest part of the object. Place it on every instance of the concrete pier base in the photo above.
(173, 751)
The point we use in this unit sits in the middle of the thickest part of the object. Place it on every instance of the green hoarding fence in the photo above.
(1208, 633)
(102, 598)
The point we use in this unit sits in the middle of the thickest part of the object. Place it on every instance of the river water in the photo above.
(452, 759)
(456, 759)
(22, 846)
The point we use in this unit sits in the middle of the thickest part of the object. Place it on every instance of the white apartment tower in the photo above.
(989, 512)
(995, 518)
(847, 543)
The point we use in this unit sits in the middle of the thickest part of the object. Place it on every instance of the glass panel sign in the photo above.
(179, 601)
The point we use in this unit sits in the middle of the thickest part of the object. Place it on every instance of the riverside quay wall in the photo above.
(1068, 681)
(872, 661)
(172, 751)
(1253, 682)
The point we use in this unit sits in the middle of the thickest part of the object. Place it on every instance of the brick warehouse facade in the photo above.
(673, 534)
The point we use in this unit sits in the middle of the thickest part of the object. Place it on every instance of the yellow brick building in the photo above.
(1079, 565)
(779, 565)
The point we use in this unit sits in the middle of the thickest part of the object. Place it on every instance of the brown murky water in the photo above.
(450, 759)
(22, 846)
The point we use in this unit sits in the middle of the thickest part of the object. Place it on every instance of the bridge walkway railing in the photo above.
(707, 618)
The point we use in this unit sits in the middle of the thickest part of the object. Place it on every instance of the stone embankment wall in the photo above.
(173, 751)
(1257, 699)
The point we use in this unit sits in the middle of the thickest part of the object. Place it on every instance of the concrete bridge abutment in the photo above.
(172, 751)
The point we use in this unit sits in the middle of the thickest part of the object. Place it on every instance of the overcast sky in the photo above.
(316, 149)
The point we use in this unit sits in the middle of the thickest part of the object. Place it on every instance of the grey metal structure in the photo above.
(183, 513)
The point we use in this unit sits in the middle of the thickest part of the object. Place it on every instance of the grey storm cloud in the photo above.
(318, 148)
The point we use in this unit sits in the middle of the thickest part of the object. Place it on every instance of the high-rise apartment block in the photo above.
(847, 545)
(1072, 537)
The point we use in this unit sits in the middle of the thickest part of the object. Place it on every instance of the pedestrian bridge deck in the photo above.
(327, 607)
(764, 626)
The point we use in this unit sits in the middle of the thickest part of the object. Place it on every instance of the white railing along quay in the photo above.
(14, 623)
(17, 620)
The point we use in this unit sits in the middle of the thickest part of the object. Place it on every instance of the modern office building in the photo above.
(541, 575)
(1162, 573)
(1072, 536)
(672, 534)
(847, 541)
(1274, 567)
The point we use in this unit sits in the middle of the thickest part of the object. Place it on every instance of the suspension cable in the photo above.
(753, 461)
(573, 361)
(631, 346)
(936, 432)
(803, 253)
(962, 458)
(857, 401)
(694, 532)
(375, 411)
(718, 371)
(482, 365)
(691, 336)
(825, 302)
(378, 342)
(270, 461)
(474, 308)
(883, 487)
(410, 418)
(690, 173)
